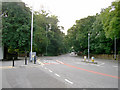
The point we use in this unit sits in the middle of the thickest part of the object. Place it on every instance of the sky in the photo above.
(68, 11)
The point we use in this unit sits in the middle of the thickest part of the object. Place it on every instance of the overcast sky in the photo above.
(68, 11)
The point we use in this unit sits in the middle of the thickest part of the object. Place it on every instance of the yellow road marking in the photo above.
(10, 67)
(40, 62)
(6, 67)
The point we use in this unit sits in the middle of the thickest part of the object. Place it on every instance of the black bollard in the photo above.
(13, 62)
(34, 59)
(25, 60)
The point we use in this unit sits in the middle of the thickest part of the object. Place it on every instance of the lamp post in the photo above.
(31, 34)
(49, 25)
(115, 48)
(88, 46)
(47, 42)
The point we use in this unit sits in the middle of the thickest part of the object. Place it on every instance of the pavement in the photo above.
(65, 71)
(27, 76)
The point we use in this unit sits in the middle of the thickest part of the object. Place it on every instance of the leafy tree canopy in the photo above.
(16, 25)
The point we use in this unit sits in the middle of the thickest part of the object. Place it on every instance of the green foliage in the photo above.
(78, 34)
(111, 20)
(48, 35)
(16, 25)
(103, 29)
(16, 30)
(99, 43)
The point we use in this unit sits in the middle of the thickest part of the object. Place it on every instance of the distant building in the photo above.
(1, 53)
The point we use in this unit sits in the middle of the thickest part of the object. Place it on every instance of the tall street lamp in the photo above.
(31, 34)
(88, 46)
(47, 42)
(115, 48)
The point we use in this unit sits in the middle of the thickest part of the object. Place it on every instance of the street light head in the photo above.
(88, 34)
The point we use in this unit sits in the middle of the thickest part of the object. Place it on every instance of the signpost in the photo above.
(32, 56)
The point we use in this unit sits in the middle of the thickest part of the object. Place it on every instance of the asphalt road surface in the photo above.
(65, 71)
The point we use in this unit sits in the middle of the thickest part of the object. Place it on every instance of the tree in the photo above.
(40, 39)
(103, 29)
(16, 26)
(78, 34)
(47, 34)
(99, 43)
(111, 20)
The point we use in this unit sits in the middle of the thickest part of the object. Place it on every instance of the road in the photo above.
(65, 71)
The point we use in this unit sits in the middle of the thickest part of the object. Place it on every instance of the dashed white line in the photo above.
(45, 68)
(57, 75)
(50, 71)
(68, 81)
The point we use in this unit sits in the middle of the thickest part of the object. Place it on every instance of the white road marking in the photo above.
(100, 64)
(57, 75)
(59, 61)
(50, 71)
(95, 65)
(68, 81)
(45, 68)
(50, 62)
(115, 66)
(81, 63)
